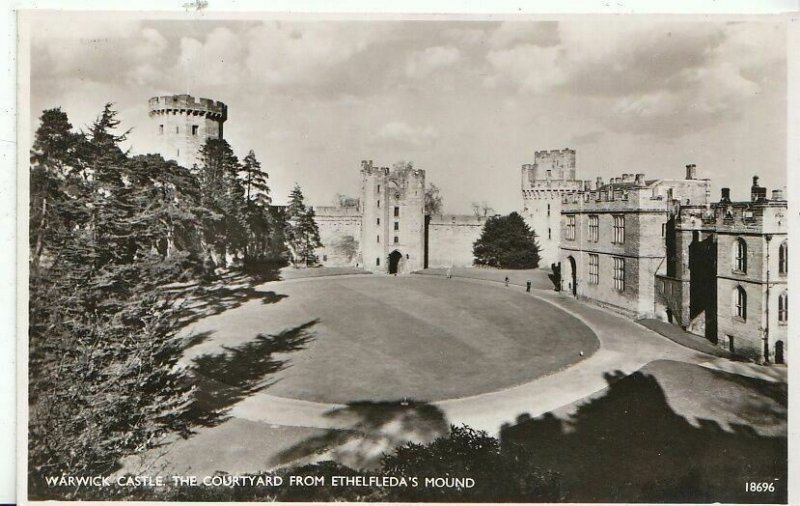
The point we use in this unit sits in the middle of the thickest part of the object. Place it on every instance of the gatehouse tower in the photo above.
(182, 124)
(393, 220)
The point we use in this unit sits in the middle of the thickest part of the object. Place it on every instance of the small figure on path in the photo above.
(528, 286)
(449, 273)
(506, 280)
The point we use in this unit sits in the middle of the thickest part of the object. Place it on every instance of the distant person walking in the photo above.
(528, 286)
(449, 273)
(506, 280)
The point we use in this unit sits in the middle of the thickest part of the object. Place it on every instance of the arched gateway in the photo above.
(394, 261)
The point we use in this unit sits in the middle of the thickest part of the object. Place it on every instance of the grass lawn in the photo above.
(410, 337)
(672, 432)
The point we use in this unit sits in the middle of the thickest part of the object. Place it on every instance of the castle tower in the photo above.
(183, 123)
(545, 182)
(393, 221)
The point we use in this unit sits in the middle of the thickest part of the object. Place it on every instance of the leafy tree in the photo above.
(301, 230)
(433, 200)
(507, 242)
(482, 209)
(347, 246)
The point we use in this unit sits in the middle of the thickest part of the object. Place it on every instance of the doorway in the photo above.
(779, 358)
(394, 261)
(573, 276)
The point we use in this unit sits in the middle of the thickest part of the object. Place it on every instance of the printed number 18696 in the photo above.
(752, 486)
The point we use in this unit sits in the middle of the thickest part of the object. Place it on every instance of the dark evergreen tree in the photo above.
(507, 242)
(257, 202)
(223, 196)
(302, 234)
(103, 375)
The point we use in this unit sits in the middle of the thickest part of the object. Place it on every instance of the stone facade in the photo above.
(184, 123)
(450, 239)
(545, 183)
(613, 238)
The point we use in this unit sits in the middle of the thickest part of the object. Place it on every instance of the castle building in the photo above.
(613, 238)
(184, 123)
(386, 230)
(545, 183)
(731, 263)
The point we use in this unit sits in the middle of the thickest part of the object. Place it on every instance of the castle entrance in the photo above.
(573, 277)
(394, 261)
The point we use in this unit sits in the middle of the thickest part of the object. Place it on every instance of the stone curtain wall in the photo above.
(337, 226)
(450, 239)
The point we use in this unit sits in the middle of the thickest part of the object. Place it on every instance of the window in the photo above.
(619, 274)
(783, 307)
(570, 233)
(783, 258)
(739, 303)
(161, 129)
(594, 228)
(396, 239)
(619, 229)
(397, 225)
(663, 230)
(594, 269)
(177, 130)
(740, 255)
(548, 209)
(324, 258)
(549, 233)
(378, 262)
(379, 188)
(379, 238)
(379, 204)
(194, 129)
(379, 221)
(396, 211)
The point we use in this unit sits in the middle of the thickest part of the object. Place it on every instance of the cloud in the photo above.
(398, 133)
(537, 33)
(653, 77)
(421, 63)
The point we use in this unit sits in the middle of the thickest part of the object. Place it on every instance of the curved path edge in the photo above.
(624, 347)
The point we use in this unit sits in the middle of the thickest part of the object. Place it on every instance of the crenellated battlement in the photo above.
(187, 104)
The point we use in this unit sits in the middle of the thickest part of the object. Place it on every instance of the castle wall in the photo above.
(450, 239)
(340, 234)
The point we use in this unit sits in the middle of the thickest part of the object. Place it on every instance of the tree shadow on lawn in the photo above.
(630, 446)
(223, 379)
(367, 431)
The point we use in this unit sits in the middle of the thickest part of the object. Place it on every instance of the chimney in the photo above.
(691, 171)
(627, 178)
(777, 195)
(599, 182)
(757, 193)
(726, 195)
(640, 179)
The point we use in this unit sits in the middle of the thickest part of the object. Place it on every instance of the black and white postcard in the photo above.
(404, 258)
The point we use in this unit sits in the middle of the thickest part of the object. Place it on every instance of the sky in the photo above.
(467, 100)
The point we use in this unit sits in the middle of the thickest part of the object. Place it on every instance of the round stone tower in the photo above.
(183, 123)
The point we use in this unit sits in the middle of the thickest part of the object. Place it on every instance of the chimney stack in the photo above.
(777, 195)
(691, 171)
(627, 178)
(599, 182)
(726, 195)
(640, 179)
(757, 193)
